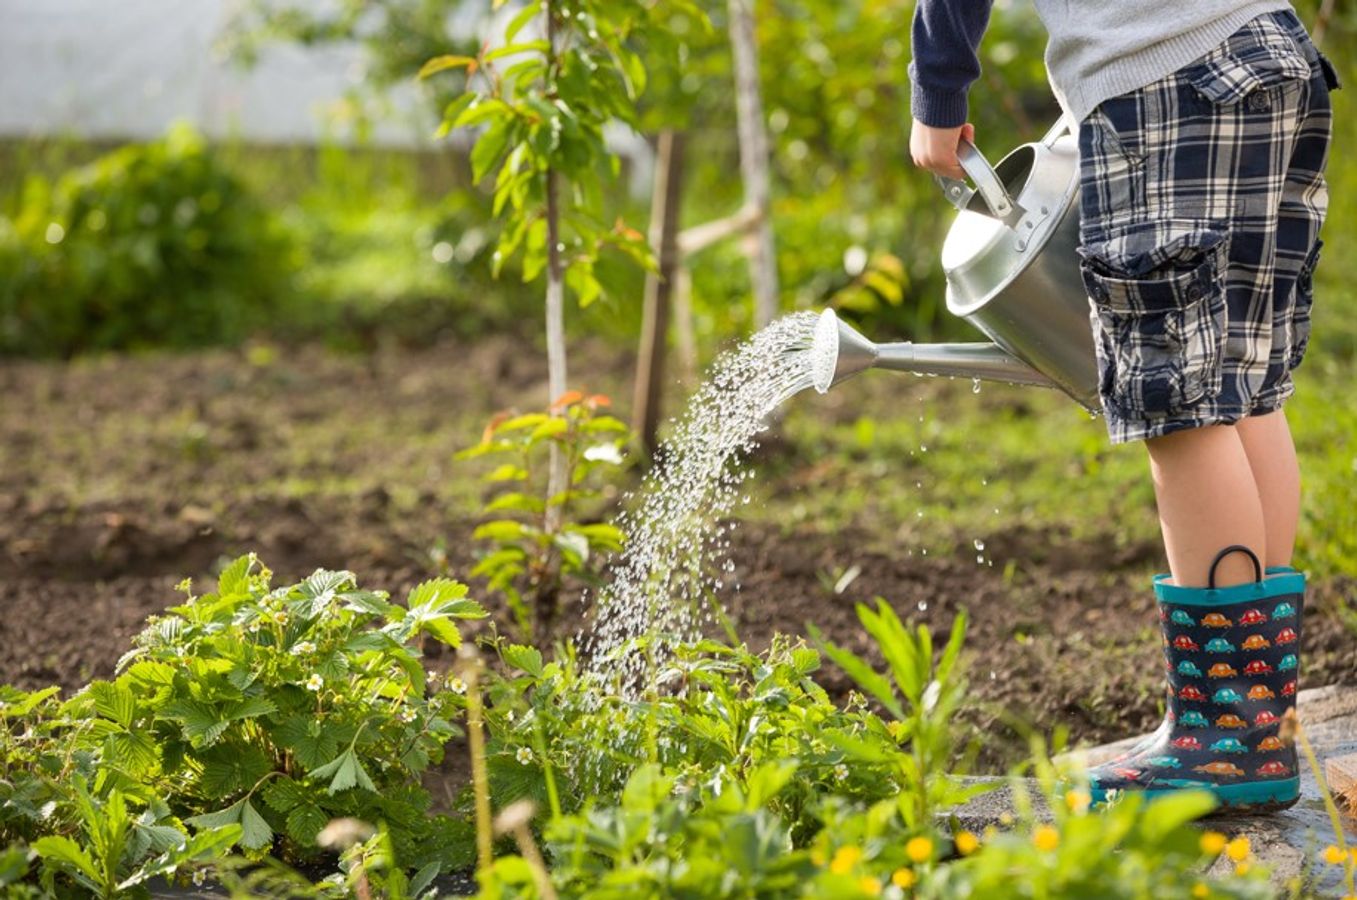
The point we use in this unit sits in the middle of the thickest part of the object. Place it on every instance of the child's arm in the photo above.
(945, 36)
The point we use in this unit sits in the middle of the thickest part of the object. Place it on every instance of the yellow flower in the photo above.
(1046, 838)
(870, 885)
(1333, 856)
(1212, 843)
(903, 878)
(817, 856)
(919, 849)
(1077, 801)
(1242, 868)
(1200, 890)
(1238, 849)
(844, 860)
(966, 843)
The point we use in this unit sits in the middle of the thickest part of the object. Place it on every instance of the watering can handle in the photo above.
(987, 183)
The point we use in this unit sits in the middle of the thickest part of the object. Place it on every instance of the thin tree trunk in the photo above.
(685, 332)
(754, 159)
(556, 374)
(1322, 22)
(664, 215)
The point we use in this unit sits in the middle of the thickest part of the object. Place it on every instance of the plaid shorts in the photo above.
(1201, 199)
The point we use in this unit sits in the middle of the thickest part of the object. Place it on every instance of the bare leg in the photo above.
(1208, 499)
(1272, 457)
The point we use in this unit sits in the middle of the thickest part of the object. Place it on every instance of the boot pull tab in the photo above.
(1233, 548)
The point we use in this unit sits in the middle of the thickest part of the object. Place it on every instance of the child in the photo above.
(1203, 131)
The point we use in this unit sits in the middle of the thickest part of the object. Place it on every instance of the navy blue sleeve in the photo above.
(945, 36)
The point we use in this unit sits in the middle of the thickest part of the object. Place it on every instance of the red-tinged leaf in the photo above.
(492, 426)
(569, 398)
(594, 401)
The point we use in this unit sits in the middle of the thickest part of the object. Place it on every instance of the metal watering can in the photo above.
(1012, 271)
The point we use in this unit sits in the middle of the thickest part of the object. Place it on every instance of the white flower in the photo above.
(303, 647)
(524, 755)
(456, 685)
(511, 715)
(315, 682)
(253, 627)
(841, 772)
(199, 876)
(280, 617)
(406, 714)
(604, 453)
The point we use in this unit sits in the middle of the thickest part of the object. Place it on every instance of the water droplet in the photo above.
(992, 675)
(979, 544)
(923, 448)
(924, 551)
(979, 558)
(923, 604)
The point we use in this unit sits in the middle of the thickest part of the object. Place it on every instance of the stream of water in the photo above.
(677, 552)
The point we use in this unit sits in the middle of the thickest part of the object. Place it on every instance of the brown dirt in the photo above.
(119, 477)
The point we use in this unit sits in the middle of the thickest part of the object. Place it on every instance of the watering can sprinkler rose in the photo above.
(1012, 271)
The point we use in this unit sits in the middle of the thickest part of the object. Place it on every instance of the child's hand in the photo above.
(935, 149)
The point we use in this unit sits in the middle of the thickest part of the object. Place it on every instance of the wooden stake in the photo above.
(664, 215)
(754, 160)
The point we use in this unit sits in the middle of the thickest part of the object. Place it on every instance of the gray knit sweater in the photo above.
(1098, 48)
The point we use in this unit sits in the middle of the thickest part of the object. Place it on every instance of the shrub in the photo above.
(153, 244)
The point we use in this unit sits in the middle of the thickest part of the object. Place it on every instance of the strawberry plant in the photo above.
(536, 544)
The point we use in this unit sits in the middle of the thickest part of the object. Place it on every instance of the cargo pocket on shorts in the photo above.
(1300, 311)
(1159, 320)
(1252, 68)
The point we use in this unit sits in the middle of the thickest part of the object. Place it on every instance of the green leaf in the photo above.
(553, 427)
(856, 668)
(135, 752)
(67, 856)
(305, 822)
(518, 423)
(114, 701)
(525, 15)
(310, 741)
(344, 771)
(235, 578)
(527, 659)
(516, 502)
(434, 591)
(256, 833)
(508, 472)
(284, 794)
(499, 530)
(201, 724)
(25, 702)
(372, 602)
(489, 147)
(511, 49)
(443, 63)
(1170, 811)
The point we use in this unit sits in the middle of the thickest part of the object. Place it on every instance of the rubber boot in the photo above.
(1233, 662)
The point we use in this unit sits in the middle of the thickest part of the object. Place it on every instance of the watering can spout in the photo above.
(840, 351)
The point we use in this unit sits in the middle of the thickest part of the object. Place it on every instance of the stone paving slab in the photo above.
(1289, 841)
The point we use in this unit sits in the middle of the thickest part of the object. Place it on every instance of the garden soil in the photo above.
(120, 477)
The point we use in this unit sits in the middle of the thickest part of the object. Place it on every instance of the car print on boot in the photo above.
(1220, 768)
(1269, 744)
(1252, 617)
(1192, 719)
(1222, 670)
(1283, 611)
(1288, 663)
(1229, 745)
(1286, 636)
(1191, 692)
(1164, 762)
(1230, 720)
(1255, 642)
(1181, 617)
(1266, 717)
(1188, 667)
(1187, 743)
(1183, 642)
(1262, 692)
(1257, 667)
(1219, 645)
(1289, 689)
(1273, 768)
(1227, 695)
(1216, 620)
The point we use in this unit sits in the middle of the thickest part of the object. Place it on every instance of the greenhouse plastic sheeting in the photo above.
(129, 68)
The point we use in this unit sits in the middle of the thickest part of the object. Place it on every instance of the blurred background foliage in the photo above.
(356, 246)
